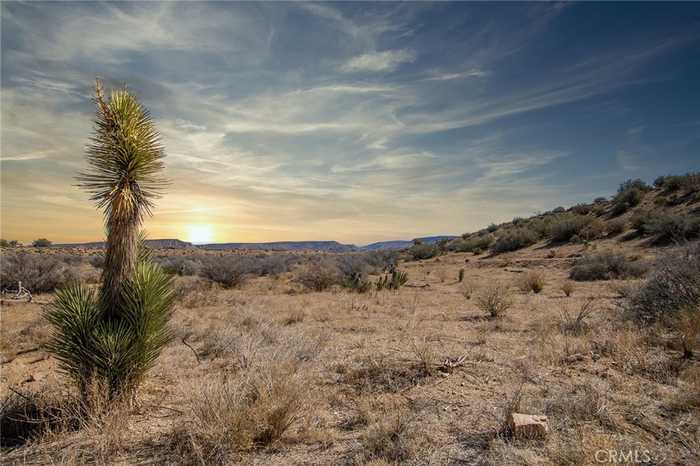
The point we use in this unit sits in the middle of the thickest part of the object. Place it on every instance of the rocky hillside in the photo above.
(665, 213)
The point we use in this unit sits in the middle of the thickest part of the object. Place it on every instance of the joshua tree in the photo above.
(114, 338)
(126, 158)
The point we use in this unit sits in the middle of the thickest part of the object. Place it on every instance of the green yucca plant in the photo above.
(112, 337)
(395, 280)
(358, 283)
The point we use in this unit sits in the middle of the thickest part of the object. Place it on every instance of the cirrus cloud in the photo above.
(388, 60)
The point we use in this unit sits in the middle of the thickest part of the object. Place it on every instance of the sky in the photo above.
(355, 122)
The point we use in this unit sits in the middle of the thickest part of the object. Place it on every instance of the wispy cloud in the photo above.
(294, 119)
(27, 156)
(387, 60)
(474, 73)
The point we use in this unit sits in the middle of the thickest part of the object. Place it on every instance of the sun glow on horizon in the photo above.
(199, 233)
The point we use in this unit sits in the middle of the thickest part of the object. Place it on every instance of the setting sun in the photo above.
(199, 234)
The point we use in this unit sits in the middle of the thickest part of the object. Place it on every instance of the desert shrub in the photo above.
(442, 244)
(558, 210)
(494, 299)
(606, 266)
(179, 265)
(600, 200)
(661, 201)
(565, 226)
(616, 226)
(531, 281)
(458, 245)
(639, 184)
(667, 228)
(598, 210)
(351, 265)
(228, 271)
(246, 412)
(514, 239)
(540, 224)
(378, 261)
(357, 282)
(673, 285)
(39, 273)
(41, 243)
(689, 182)
(232, 270)
(319, 275)
(70, 259)
(272, 265)
(97, 261)
(641, 219)
(568, 288)
(595, 229)
(473, 243)
(423, 251)
(8, 244)
(492, 228)
(582, 209)
(672, 183)
(353, 273)
(629, 194)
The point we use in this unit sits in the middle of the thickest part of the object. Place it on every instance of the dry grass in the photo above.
(531, 281)
(35, 424)
(387, 440)
(251, 411)
(687, 324)
(271, 375)
(568, 288)
(494, 299)
(575, 322)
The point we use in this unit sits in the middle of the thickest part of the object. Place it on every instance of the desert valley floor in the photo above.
(414, 376)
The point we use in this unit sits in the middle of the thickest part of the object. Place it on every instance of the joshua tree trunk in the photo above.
(120, 259)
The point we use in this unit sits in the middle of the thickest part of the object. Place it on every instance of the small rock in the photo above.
(528, 426)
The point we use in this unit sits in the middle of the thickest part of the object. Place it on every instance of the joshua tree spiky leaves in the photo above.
(125, 156)
(110, 340)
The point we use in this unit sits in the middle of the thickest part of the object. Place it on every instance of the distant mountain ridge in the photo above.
(402, 244)
(151, 243)
(328, 246)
